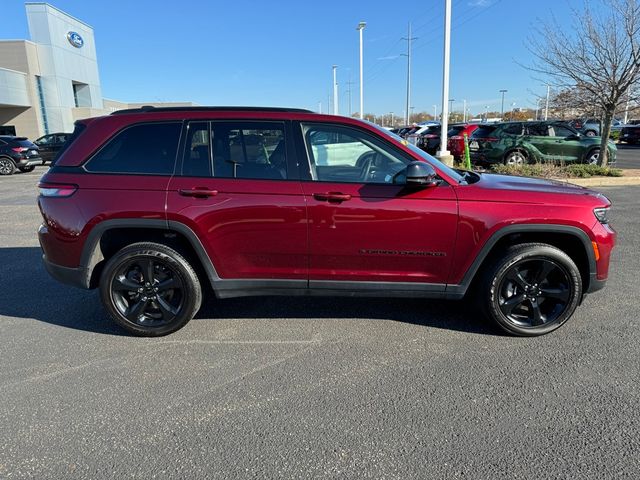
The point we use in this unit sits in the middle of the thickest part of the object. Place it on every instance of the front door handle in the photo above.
(198, 192)
(332, 197)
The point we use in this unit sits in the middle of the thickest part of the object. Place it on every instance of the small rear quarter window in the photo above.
(148, 148)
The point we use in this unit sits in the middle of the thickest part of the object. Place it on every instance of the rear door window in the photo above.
(148, 148)
(251, 150)
(483, 131)
(513, 129)
(538, 130)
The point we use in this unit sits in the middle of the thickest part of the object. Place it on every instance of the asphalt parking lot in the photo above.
(628, 156)
(312, 388)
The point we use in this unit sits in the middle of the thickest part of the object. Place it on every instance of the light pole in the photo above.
(335, 90)
(486, 113)
(391, 116)
(411, 114)
(443, 154)
(360, 28)
(464, 111)
(408, 39)
(435, 113)
(546, 108)
(502, 108)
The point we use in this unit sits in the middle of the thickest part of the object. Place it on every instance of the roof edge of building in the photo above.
(61, 11)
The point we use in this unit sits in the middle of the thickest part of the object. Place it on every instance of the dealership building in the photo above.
(52, 80)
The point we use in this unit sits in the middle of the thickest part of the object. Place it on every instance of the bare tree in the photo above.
(599, 56)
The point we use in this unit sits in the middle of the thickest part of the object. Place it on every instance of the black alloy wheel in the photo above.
(150, 289)
(533, 289)
(147, 291)
(534, 292)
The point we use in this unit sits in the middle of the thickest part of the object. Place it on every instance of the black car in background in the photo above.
(50, 145)
(429, 139)
(630, 134)
(17, 152)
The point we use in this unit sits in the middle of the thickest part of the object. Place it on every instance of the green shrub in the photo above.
(550, 170)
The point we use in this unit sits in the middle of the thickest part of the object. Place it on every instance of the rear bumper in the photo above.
(28, 162)
(76, 277)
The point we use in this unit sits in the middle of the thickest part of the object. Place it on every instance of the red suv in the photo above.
(153, 205)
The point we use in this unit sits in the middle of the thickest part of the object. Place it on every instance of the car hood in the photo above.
(530, 184)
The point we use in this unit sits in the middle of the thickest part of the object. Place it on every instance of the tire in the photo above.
(516, 157)
(590, 133)
(592, 156)
(7, 167)
(27, 169)
(533, 289)
(146, 308)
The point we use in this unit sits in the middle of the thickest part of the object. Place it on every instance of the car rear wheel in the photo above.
(532, 290)
(7, 166)
(590, 133)
(27, 169)
(592, 157)
(150, 289)
(516, 157)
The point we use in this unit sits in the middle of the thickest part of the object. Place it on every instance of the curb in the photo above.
(602, 181)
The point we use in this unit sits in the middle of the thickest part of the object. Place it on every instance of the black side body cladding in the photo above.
(223, 288)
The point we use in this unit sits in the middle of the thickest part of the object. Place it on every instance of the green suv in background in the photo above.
(517, 143)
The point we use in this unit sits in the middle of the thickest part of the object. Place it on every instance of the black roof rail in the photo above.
(150, 108)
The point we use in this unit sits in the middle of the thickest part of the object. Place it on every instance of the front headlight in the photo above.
(602, 214)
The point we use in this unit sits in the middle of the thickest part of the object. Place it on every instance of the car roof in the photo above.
(152, 109)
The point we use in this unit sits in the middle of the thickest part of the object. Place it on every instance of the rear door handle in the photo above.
(332, 197)
(198, 192)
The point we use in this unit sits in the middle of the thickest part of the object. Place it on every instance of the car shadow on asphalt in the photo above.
(27, 291)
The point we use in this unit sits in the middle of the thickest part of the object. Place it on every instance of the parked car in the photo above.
(590, 127)
(630, 134)
(50, 145)
(153, 205)
(527, 142)
(455, 135)
(427, 138)
(17, 153)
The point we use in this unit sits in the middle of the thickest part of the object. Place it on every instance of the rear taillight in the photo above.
(19, 149)
(56, 189)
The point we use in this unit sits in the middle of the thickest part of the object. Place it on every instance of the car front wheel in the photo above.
(532, 290)
(6, 166)
(27, 169)
(150, 289)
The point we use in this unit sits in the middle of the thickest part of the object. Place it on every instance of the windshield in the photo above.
(422, 154)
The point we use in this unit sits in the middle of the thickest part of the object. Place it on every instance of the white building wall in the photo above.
(14, 89)
(61, 64)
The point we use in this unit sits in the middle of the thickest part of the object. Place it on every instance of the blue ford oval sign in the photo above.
(75, 39)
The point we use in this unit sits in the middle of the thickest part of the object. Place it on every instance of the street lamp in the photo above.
(335, 90)
(360, 28)
(502, 109)
(443, 154)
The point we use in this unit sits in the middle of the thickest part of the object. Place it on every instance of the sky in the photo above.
(280, 53)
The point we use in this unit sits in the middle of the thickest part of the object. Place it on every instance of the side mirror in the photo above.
(421, 174)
